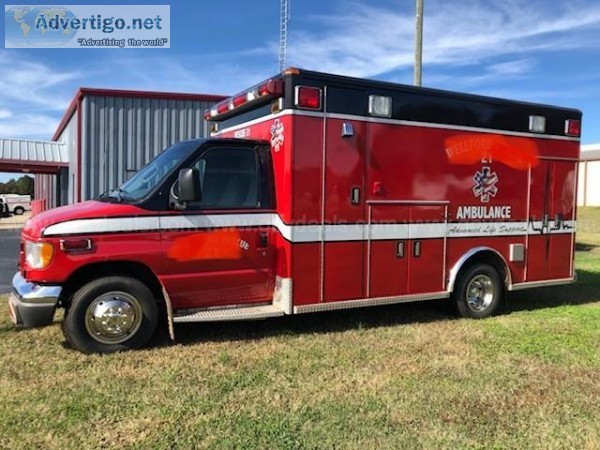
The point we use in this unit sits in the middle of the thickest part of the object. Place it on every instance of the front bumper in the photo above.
(32, 305)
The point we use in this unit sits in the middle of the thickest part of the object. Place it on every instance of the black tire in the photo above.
(478, 292)
(110, 332)
(19, 210)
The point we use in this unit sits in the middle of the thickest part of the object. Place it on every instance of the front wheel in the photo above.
(110, 314)
(478, 292)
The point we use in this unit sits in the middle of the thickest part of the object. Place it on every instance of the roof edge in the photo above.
(101, 92)
(35, 141)
(590, 147)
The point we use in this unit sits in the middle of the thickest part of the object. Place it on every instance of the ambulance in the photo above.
(315, 192)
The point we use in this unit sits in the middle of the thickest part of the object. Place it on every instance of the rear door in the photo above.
(562, 216)
(219, 250)
(551, 221)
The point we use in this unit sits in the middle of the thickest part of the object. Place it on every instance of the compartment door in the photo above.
(388, 250)
(427, 243)
(344, 212)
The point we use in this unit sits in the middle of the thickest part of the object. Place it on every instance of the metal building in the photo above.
(588, 191)
(110, 134)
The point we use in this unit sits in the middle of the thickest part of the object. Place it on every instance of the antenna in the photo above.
(283, 33)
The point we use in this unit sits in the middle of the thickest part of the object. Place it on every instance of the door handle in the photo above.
(558, 221)
(355, 196)
(400, 249)
(263, 239)
(417, 249)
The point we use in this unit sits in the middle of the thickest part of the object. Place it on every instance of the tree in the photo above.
(23, 185)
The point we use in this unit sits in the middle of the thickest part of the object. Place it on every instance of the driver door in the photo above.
(218, 251)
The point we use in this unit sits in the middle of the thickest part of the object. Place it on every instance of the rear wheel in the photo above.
(19, 210)
(478, 293)
(110, 314)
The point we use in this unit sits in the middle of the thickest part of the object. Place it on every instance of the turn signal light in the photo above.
(38, 255)
(74, 245)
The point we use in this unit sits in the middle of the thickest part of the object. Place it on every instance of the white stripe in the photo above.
(408, 123)
(110, 225)
(308, 233)
(175, 222)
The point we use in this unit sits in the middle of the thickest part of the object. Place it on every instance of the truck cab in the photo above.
(191, 228)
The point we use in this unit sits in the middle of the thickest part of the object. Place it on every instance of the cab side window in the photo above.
(229, 178)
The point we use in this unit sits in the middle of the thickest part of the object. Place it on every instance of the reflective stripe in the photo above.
(308, 233)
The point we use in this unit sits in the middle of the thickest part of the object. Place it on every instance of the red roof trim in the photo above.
(67, 116)
(82, 92)
(12, 165)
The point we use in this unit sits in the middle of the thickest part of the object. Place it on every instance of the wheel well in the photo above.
(488, 257)
(132, 269)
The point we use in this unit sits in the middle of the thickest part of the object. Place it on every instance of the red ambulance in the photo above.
(316, 192)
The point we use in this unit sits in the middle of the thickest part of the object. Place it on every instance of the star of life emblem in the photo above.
(277, 137)
(485, 184)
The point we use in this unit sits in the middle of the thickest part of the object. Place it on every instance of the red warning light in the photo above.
(308, 97)
(573, 127)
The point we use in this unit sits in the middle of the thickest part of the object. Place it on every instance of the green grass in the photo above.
(588, 226)
(405, 376)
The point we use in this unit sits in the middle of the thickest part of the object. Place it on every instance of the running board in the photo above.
(226, 314)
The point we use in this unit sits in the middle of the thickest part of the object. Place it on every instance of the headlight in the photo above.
(38, 254)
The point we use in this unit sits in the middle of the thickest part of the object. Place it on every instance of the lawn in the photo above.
(403, 376)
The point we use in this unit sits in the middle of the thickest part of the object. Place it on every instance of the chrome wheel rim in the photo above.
(480, 293)
(113, 317)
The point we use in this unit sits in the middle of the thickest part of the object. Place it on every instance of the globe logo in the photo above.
(38, 26)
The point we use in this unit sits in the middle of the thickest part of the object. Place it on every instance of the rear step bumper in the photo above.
(230, 314)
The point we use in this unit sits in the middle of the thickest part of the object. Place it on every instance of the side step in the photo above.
(225, 314)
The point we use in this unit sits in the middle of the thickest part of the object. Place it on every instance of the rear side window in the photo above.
(229, 178)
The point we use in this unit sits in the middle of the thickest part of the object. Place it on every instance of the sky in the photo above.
(544, 51)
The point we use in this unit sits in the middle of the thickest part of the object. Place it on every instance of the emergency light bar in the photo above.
(270, 89)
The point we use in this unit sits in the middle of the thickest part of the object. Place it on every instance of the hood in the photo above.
(85, 210)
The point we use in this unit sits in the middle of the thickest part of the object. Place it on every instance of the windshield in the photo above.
(153, 173)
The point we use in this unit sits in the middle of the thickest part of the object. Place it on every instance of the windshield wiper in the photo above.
(121, 193)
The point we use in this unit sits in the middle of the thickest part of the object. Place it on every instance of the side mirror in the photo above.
(189, 186)
(186, 189)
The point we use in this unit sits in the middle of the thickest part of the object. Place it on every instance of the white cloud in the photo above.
(364, 40)
(5, 113)
(212, 74)
(511, 68)
(25, 81)
(33, 95)
(28, 126)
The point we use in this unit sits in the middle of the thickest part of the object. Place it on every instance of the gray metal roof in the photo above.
(25, 151)
(590, 155)
(590, 152)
